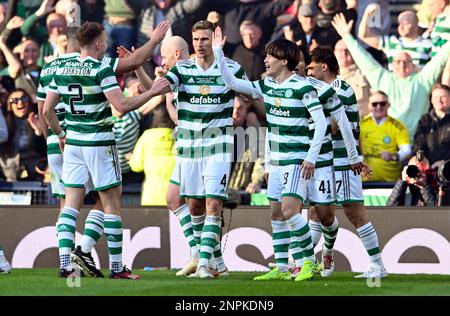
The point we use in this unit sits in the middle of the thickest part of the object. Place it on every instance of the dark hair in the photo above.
(89, 32)
(325, 55)
(203, 25)
(161, 118)
(8, 106)
(9, 149)
(284, 49)
(440, 86)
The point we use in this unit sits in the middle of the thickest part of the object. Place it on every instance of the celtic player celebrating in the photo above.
(95, 218)
(290, 102)
(86, 84)
(204, 140)
(324, 66)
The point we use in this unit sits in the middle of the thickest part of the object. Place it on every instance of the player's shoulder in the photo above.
(58, 61)
(318, 84)
(342, 87)
(231, 63)
(187, 63)
(268, 80)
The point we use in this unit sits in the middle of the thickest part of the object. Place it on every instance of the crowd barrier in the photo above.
(413, 240)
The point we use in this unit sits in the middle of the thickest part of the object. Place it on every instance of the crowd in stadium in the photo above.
(401, 77)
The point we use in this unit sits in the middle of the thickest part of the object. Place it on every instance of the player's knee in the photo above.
(172, 202)
(196, 208)
(214, 207)
(288, 212)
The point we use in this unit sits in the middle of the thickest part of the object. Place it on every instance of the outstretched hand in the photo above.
(14, 23)
(341, 25)
(123, 52)
(218, 39)
(46, 7)
(160, 31)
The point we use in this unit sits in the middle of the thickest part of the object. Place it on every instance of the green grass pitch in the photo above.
(37, 282)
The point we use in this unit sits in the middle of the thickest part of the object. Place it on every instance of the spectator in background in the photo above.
(433, 136)
(329, 8)
(176, 12)
(409, 41)
(120, 25)
(425, 16)
(353, 76)
(408, 91)
(250, 54)
(384, 140)
(46, 38)
(26, 145)
(440, 12)
(304, 30)
(433, 140)
(247, 173)
(24, 70)
(215, 18)
(155, 148)
(93, 11)
(263, 12)
(127, 128)
(421, 187)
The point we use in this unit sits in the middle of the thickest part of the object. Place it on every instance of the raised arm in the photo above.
(347, 135)
(365, 33)
(446, 74)
(140, 73)
(124, 105)
(14, 66)
(370, 68)
(144, 53)
(430, 73)
(239, 85)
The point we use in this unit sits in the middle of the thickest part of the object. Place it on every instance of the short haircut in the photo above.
(440, 86)
(204, 25)
(248, 23)
(284, 49)
(325, 55)
(89, 32)
(71, 32)
(380, 92)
